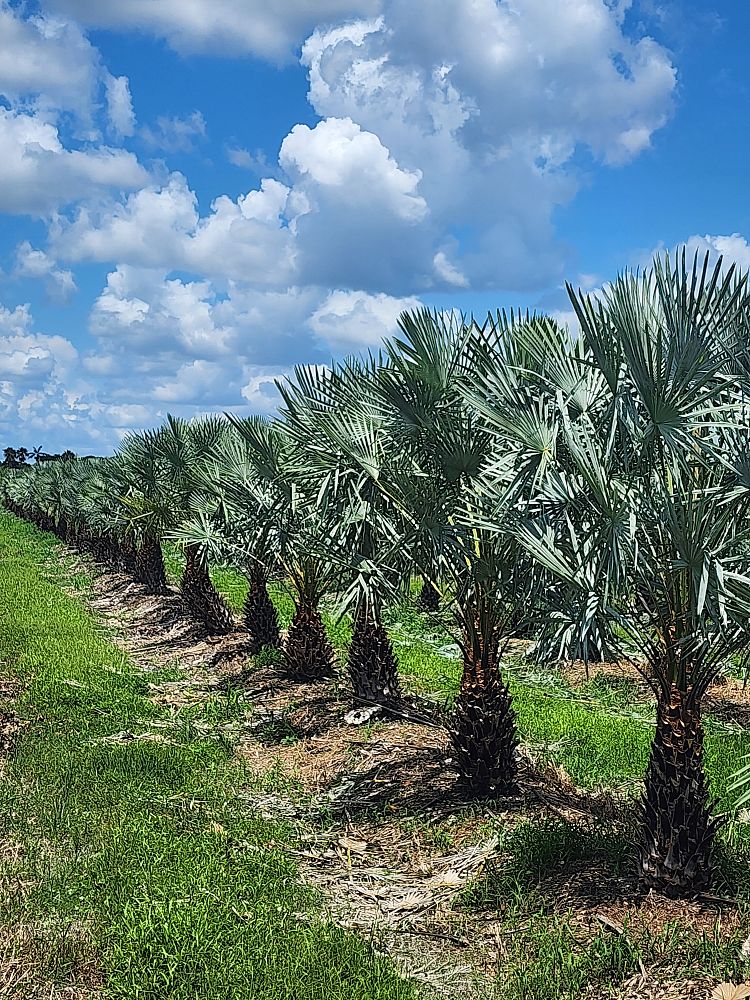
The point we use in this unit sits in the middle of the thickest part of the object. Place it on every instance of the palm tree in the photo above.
(259, 612)
(342, 443)
(429, 596)
(182, 449)
(10, 458)
(99, 500)
(141, 476)
(458, 506)
(255, 513)
(643, 522)
(227, 522)
(287, 511)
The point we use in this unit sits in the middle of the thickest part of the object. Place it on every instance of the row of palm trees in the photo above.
(588, 490)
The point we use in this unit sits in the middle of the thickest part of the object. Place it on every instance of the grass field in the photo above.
(139, 868)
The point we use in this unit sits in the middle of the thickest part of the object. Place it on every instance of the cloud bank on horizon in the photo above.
(443, 143)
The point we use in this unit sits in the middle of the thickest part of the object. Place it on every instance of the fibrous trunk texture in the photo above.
(483, 725)
(149, 566)
(259, 614)
(104, 549)
(126, 556)
(201, 598)
(677, 829)
(372, 664)
(308, 655)
(429, 597)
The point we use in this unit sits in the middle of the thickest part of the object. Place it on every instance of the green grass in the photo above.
(588, 733)
(552, 958)
(550, 962)
(138, 858)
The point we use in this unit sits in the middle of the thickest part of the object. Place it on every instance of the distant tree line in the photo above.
(15, 458)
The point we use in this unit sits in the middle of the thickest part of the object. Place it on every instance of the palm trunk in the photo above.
(110, 552)
(677, 829)
(201, 598)
(149, 566)
(429, 597)
(259, 614)
(483, 726)
(101, 548)
(372, 664)
(308, 655)
(126, 556)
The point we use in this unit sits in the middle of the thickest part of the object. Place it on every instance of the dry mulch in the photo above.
(645, 986)
(156, 629)
(728, 699)
(577, 674)
(10, 725)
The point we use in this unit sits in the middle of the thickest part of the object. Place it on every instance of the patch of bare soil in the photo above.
(577, 674)
(10, 687)
(300, 727)
(728, 699)
(11, 726)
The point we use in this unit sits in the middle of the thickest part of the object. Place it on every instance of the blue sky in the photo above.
(196, 197)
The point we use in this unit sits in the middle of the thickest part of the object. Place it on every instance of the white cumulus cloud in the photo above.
(449, 134)
(490, 102)
(31, 263)
(733, 249)
(159, 226)
(50, 60)
(56, 96)
(350, 321)
(223, 26)
(337, 154)
(39, 386)
(38, 174)
(120, 104)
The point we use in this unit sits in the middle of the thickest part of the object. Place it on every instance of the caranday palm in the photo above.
(643, 520)
(343, 445)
